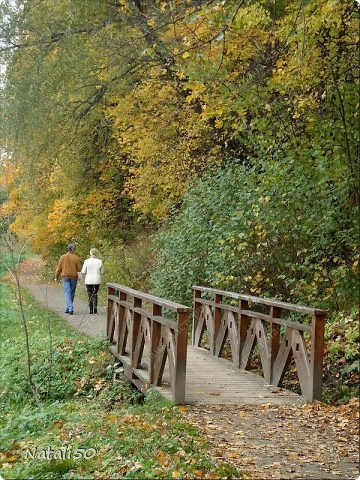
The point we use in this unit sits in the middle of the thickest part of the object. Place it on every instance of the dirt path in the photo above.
(312, 442)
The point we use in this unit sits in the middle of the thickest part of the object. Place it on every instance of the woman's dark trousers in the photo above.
(92, 291)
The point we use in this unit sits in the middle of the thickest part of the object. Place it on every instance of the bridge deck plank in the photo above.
(212, 380)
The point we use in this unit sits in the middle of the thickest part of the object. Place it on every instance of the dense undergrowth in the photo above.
(279, 236)
(90, 423)
(342, 365)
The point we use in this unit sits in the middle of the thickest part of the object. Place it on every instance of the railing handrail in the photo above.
(244, 326)
(140, 330)
(264, 301)
(176, 307)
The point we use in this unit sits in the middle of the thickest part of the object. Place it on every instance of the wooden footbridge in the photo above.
(149, 336)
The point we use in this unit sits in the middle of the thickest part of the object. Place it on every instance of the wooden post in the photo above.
(317, 356)
(243, 326)
(137, 302)
(180, 357)
(121, 329)
(110, 291)
(275, 312)
(217, 322)
(155, 340)
(196, 313)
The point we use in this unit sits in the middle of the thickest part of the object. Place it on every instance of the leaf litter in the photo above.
(313, 441)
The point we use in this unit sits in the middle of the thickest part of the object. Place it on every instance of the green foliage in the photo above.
(257, 231)
(121, 392)
(71, 164)
(342, 356)
(27, 421)
(128, 263)
(69, 369)
(272, 87)
(60, 371)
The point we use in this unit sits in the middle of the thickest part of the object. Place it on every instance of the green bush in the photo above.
(128, 264)
(273, 231)
(342, 355)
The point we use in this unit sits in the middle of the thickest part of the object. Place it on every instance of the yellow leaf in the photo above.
(163, 458)
(198, 474)
(11, 459)
(232, 455)
(176, 474)
(183, 409)
(186, 55)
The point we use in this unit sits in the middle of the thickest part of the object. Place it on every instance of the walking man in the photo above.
(68, 267)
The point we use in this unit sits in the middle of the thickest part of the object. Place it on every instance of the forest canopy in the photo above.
(221, 138)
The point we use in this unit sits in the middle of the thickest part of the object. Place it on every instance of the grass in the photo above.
(88, 425)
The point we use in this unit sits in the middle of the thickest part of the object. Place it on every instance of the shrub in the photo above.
(272, 231)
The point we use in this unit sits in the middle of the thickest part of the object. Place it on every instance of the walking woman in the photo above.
(93, 269)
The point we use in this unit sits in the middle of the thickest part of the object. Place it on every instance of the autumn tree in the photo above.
(111, 111)
(280, 217)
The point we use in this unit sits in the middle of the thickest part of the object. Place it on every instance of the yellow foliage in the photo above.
(165, 143)
(169, 122)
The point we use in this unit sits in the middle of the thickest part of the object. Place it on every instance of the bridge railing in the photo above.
(244, 321)
(145, 333)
